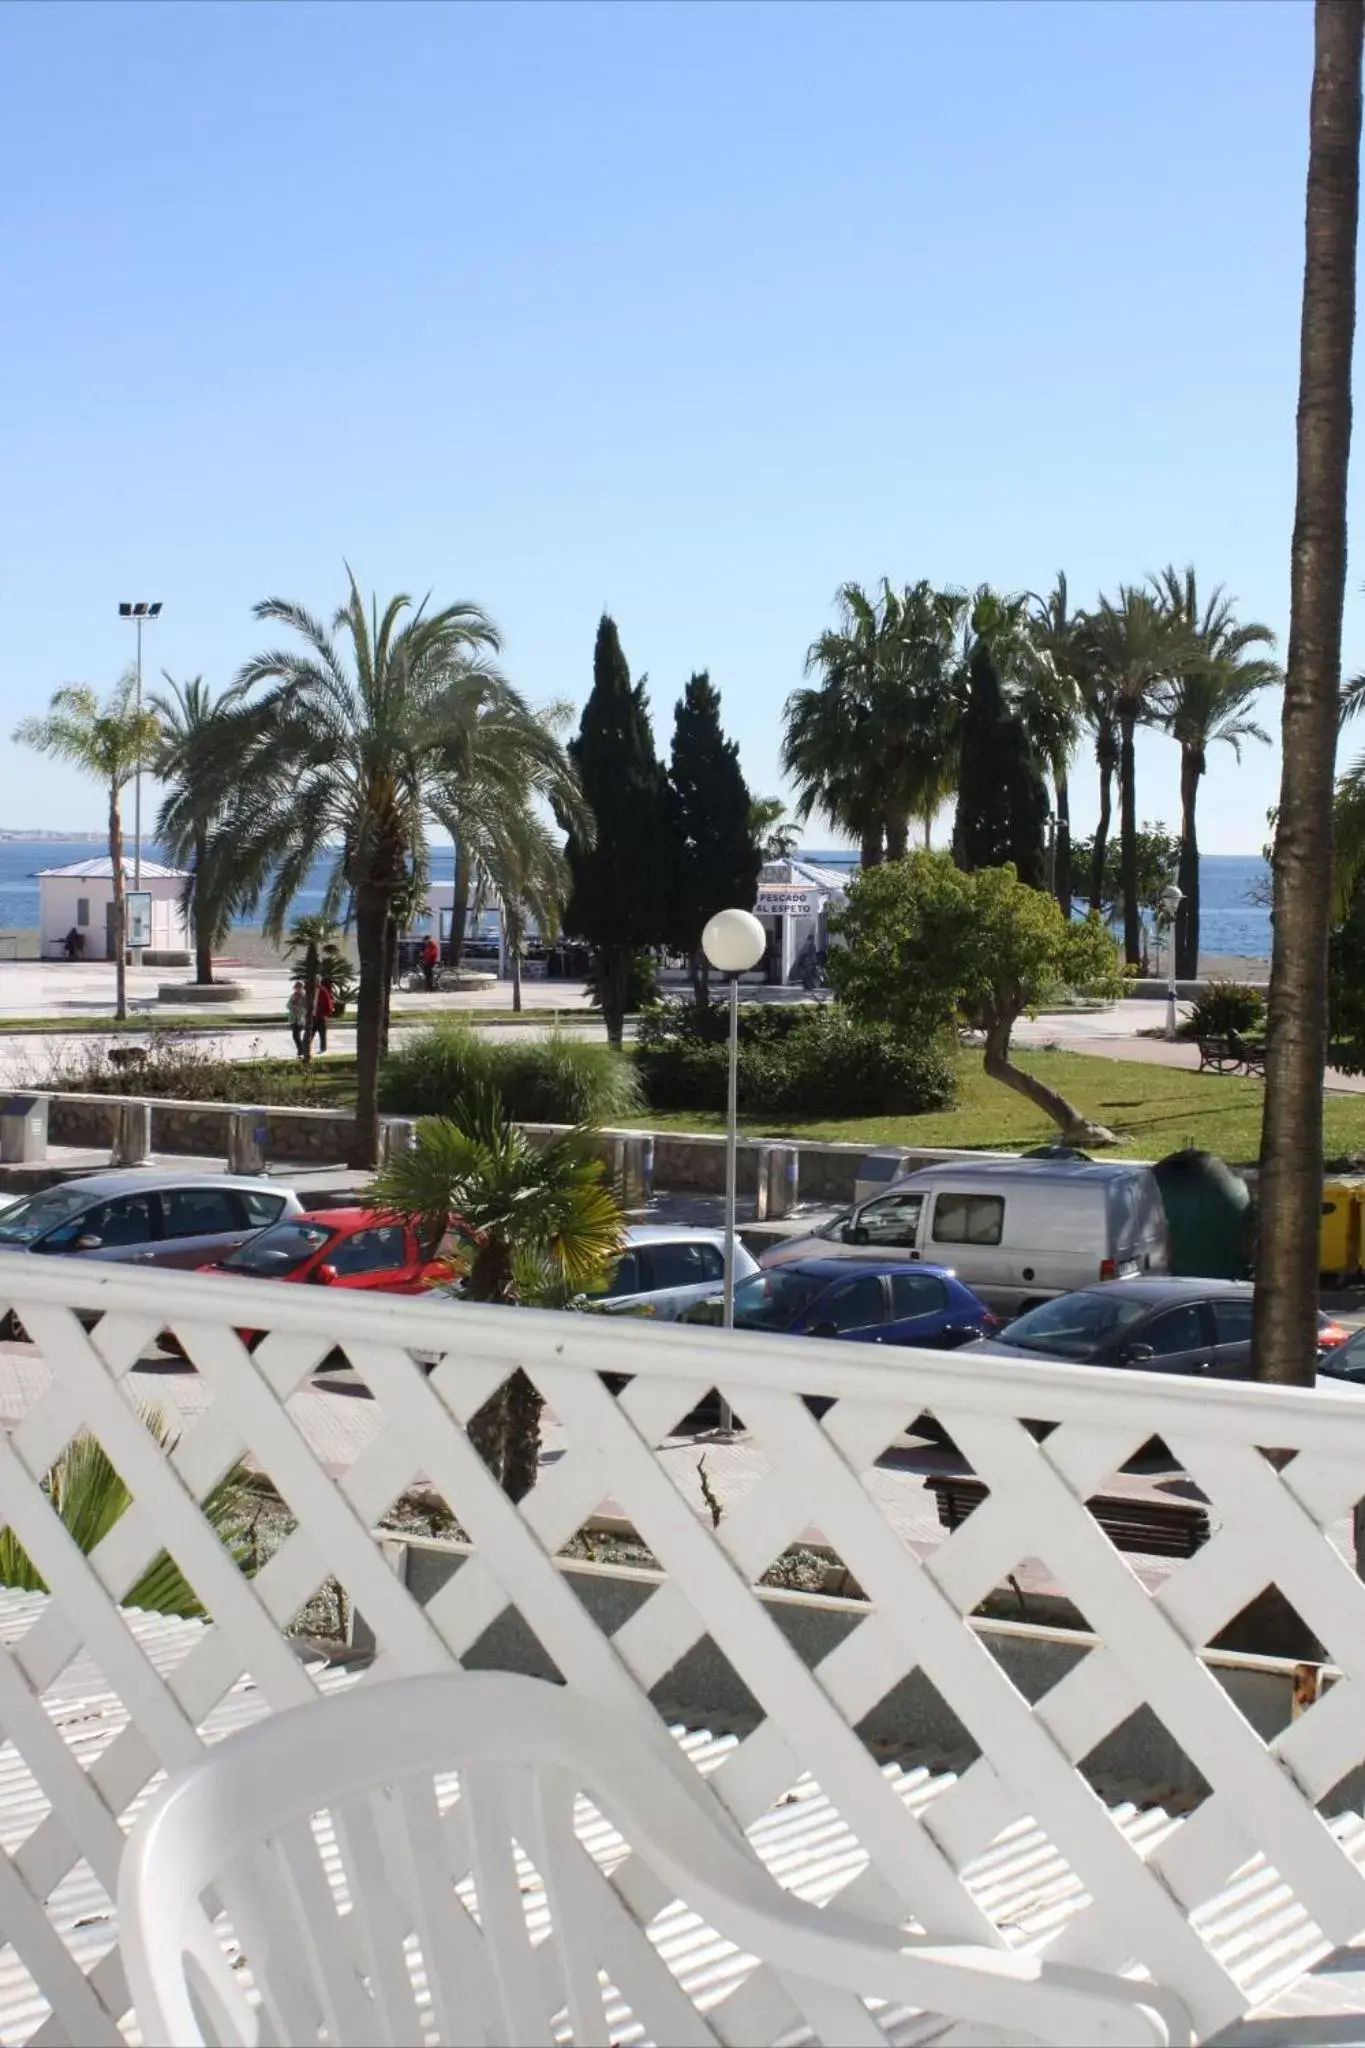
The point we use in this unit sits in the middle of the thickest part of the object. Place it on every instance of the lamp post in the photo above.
(733, 941)
(1171, 900)
(138, 613)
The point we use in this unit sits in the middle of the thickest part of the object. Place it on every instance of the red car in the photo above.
(338, 1248)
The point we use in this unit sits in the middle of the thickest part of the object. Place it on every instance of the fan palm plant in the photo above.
(537, 1223)
(87, 1494)
(1137, 647)
(191, 761)
(1209, 698)
(109, 742)
(345, 750)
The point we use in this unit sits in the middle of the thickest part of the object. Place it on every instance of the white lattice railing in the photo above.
(1147, 1906)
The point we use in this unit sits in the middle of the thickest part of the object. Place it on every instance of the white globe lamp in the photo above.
(734, 941)
(1171, 900)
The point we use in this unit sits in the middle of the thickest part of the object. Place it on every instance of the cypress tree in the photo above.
(619, 902)
(716, 857)
(1001, 797)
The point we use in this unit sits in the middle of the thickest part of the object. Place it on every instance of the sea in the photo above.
(1232, 919)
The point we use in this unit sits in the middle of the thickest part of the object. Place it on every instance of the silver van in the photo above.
(1016, 1231)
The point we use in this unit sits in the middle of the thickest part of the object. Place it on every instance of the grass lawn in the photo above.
(1151, 1109)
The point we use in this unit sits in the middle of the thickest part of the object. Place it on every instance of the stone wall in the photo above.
(303, 1137)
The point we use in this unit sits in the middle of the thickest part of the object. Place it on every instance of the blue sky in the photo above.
(689, 311)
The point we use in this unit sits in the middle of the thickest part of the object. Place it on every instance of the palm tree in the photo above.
(1208, 699)
(777, 835)
(1136, 647)
(874, 745)
(87, 1493)
(108, 741)
(1050, 700)
(538, 1223)
(191, 761)
(344, 751)
(1289, 1193)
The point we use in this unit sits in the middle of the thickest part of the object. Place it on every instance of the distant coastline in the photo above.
(64, 838)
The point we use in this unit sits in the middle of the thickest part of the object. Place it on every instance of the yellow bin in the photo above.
(1343, 1216)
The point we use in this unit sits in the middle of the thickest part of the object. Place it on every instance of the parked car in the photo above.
(666, 1268)
(143, 1218)
(884, 1303)
(1155, 1324)
(1016, 1231)
(1345, 1359)
(338, 1248)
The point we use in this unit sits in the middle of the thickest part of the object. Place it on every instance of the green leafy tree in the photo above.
(360, 726)
(926, 944)
(620, 896)
(108, 742)
(1158, 863)
(715, 856)
(191, 761)
(1001, 801)
(538, 1224)
(1209, 699)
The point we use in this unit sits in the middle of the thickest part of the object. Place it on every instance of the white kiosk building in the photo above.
(81, 898)
(793, 904)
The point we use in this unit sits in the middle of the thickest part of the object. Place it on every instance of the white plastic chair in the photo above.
(331, 1838)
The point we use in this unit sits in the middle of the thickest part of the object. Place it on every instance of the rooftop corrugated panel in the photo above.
(101, 869)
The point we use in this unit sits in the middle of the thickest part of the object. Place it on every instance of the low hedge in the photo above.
(545, 1080)
(797, 1060)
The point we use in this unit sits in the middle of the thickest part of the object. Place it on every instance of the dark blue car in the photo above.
(867, 1301)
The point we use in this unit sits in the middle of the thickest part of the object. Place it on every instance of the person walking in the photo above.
(429, 959)
(324, 1007)
(298, 1017)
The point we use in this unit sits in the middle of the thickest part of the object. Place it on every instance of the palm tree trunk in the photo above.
(203, 936)
(1284, 1327)
(1187, 916)
(390, 966)
(928, 831)
(371, 920)
(1128, 868)
(459, 907)
(897, 827)
(120, 915)
(514, 936)
(1100, 850)
(870, 848)
(1061, 872)
(700, 968)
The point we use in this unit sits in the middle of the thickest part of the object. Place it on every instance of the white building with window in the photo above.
(81, 898)
(793, 904)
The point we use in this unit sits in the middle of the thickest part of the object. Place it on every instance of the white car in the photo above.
(665, 1268)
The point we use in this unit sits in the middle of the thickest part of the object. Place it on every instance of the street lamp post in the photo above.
(733, 941)
(1171, 900)
(138, 613)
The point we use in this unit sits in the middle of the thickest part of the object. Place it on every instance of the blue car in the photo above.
(872, 1302)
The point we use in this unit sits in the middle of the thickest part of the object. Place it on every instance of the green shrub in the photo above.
(1226, 1006)
(795, 1060)
(547, 1080)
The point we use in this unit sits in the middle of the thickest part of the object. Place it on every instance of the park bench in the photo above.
(1140, 1519)
(1231, 1054)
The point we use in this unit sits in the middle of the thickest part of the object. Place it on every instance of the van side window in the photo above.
(969, 1219)
(891, 1219)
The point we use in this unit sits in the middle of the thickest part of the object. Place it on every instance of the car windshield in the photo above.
(834, 1229)
(1075, 1325)
(24, 1222)
(279, 1250)
(769, 1301)
(1347, 1361)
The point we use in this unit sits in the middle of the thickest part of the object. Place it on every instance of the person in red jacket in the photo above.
(324, 1007)
(429, 959)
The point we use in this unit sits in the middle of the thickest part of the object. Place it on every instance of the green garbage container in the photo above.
(1208, 1213)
